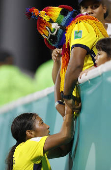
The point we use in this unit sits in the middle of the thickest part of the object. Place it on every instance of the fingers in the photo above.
(83, 72)
(86, 71)
(77, 108)
(56, 54)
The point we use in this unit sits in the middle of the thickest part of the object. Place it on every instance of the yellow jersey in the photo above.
(85, 38)
(29, 155)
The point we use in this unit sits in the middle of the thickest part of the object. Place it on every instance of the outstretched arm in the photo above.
(63, 137)
(60, 151)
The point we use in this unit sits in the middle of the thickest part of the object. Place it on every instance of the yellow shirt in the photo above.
(85, 38)
(29, 155)
(82, 32)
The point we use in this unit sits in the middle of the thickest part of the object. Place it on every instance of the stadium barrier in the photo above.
(92, 139)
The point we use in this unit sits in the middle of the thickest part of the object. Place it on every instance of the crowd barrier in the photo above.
(92, 139)
(94, 122)
(40, 102)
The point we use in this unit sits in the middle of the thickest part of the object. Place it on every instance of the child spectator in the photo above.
(104, 53)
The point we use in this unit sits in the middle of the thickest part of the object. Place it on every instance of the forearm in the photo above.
(55, 69)
(60, 107)
(71, 79)
(74, 68)
(65, 135)
(68, 125)
(57, 93)
(60, 151)
(56, 56)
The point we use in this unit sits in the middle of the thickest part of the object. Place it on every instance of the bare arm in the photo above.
(74, 68)
(60, 108)
(56, 56)
(64, 136)
(73, 71)
(60, 151)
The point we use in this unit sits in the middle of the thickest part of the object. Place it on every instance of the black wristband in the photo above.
(68, 97)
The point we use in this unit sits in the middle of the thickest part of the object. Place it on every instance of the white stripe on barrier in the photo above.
(37, 95)
(27, 99)
(95, 72)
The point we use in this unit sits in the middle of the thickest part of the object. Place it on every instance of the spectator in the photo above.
(104, 54)
(77, 37)
(90, 6)
(104, 51)
(80, 54)
(84, 6)
(13, 82)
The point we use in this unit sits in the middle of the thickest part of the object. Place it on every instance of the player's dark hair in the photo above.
(19, 126)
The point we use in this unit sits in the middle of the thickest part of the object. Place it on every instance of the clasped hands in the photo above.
(74, 105)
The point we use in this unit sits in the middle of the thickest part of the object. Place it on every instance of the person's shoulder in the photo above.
(37, 139)
(84, 26)
(36, 142)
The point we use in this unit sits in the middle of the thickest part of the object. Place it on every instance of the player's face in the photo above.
(93, 8)
(40, 128)
(101, 58)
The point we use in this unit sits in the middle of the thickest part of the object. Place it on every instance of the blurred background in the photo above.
(19, 35)
(31, 65)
